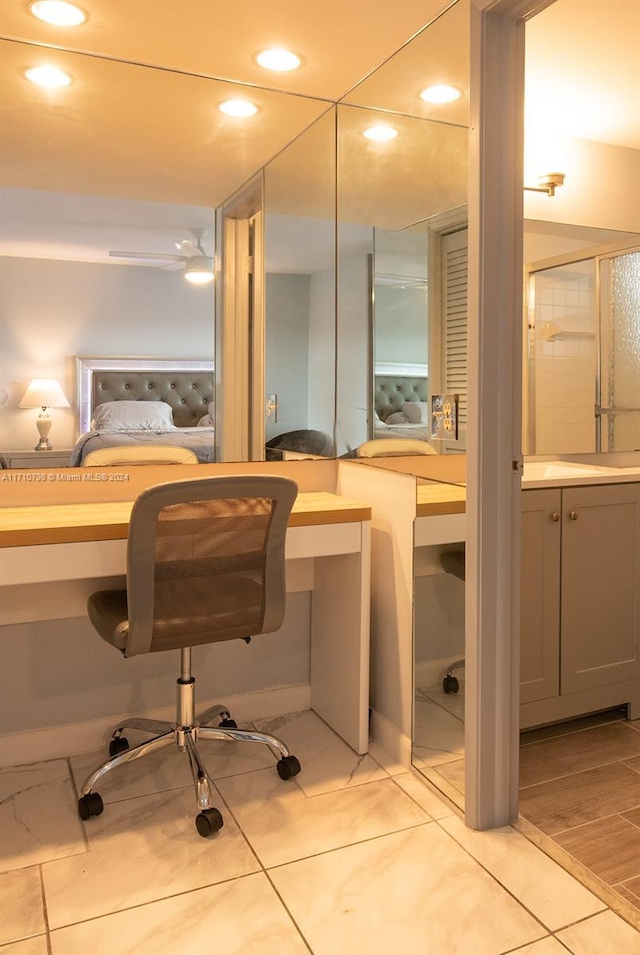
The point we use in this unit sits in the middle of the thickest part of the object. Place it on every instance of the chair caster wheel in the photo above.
(209, 821)
(450, 684)
(287, 767)
(228, 723)
(118, 745)
(90, 805)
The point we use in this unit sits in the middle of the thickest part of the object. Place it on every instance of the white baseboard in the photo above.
(390, 740)
(53, 742)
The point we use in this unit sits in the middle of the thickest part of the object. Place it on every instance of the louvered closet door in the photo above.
(454, 309)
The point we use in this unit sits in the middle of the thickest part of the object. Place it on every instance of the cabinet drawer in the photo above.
(37, 459)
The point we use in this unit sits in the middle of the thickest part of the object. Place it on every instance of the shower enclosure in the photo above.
(583, 354)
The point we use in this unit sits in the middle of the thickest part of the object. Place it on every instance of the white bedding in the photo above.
(416, 431)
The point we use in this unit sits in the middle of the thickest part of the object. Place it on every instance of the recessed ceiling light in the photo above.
(49, 76)
(380, 134)
(279, 60)
(238, 107)
(440, 94)
(58, 12)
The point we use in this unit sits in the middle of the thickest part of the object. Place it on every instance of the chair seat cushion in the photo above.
(107, 611)
(218, 609)
(236, 599)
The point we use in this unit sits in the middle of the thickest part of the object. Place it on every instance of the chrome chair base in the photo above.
(185, 734)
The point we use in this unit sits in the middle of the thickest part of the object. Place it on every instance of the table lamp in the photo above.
(44, 393)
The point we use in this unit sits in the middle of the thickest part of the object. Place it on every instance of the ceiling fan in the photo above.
(190, 258)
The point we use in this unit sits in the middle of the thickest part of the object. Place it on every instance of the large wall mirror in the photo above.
(402, 176)
(299, 295)
(127, 159)
(402, 296)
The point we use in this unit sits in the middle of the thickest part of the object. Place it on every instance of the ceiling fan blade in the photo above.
(189, 247)
(168, 257)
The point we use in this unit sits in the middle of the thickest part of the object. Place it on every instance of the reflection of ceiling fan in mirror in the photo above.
(400, 281)
(191, 258)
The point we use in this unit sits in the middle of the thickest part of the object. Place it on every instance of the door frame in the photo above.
(494, 455)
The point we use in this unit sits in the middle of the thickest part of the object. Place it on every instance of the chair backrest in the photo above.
(391, 447)
(132, 455)
(205, 561)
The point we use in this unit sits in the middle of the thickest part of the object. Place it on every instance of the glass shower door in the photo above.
(618, 410)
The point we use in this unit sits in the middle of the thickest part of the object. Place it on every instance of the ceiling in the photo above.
(146, 155)
(339, 42)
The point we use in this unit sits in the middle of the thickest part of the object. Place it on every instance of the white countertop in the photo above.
(538, 474)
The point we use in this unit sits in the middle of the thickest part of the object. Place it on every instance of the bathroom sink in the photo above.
(547, 470)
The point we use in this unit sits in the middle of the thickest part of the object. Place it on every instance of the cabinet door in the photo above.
(540, 595)
(600, 616)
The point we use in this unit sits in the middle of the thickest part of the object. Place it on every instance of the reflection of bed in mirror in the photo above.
(401, 407)
(147, 409)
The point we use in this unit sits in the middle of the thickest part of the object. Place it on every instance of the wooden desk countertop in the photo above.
(72, 523)
(434, 499)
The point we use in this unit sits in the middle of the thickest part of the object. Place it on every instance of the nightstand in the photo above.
(37, 459)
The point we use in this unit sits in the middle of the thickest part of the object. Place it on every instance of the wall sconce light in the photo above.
(548, 183)
(44, 393)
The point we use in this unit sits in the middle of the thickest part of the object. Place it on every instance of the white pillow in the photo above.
(415, 411)
(208, 420)
(397, 418)
(133, 416)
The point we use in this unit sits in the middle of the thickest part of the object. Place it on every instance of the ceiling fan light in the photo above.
(199, 270)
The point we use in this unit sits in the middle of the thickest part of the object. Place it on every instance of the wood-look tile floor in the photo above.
(580, 787)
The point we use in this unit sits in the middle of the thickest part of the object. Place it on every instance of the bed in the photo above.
(401, 407)
(133, 403)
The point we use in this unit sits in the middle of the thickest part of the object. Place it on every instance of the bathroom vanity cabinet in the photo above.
(580, 600)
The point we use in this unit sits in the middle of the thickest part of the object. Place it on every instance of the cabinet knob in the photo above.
(555, 517)
(573, 515)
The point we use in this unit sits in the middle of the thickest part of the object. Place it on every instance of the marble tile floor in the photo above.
(355, 855)
(579, 796)
(438, 738)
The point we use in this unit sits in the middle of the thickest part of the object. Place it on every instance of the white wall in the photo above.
(61, 672)
(51, 311)
(322, 345)
(354, 319)
(287, 350)
(601, 189)
(401, 325)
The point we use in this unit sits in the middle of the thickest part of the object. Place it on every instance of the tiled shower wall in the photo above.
(564, 352)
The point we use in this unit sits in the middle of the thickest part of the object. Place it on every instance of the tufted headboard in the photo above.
(187, 386)
(391, 392)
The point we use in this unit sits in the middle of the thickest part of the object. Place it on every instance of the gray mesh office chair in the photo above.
(205, 563)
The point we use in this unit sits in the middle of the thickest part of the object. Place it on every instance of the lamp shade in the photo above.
(44, 393)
